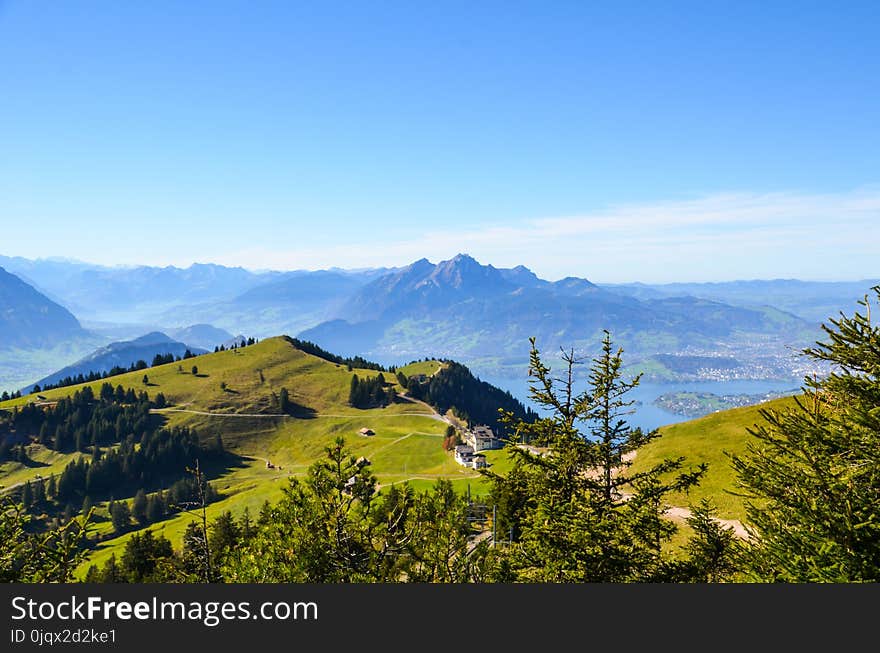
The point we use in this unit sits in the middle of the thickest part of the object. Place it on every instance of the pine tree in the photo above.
(284, 400)
(577, 514)
(139, 507)
(247, 527)
(39, 493)
(225, 534)
(154, 509)
(811, 473)
(27, 495)
(120, 516)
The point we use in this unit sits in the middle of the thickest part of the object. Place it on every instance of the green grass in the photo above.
(43, 463)
(406, 447)
(428, 368)
(708, 439)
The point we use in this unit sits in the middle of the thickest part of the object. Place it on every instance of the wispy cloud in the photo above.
(715, 237)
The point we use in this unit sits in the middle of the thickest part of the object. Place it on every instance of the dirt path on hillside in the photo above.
(679, 513)
(433, 413)
(161, 411)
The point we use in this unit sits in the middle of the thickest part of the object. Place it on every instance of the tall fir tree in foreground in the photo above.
(811, 474)
(574, 511)
(39, 557)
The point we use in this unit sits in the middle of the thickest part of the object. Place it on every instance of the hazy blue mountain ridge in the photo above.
(121, 354)
(30, 319)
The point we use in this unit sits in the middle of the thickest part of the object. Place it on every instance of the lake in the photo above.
(647, 415)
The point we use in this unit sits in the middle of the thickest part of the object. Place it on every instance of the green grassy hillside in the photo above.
(232, 395)
(708, 439)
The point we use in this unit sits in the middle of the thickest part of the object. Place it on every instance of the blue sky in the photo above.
(629, 141)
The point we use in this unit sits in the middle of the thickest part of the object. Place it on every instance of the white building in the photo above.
(482, 438)
(464, 454)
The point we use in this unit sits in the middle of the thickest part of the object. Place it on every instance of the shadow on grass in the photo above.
(301, 411)
(30, 463)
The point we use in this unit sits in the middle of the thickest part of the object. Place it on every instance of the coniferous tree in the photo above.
(155, 509)
(39, 493)
(811, 474)
(86, 505)
(27, 494)
(139, 507)
(283, 400)
(577, 513)
(142, 554)
(247, 526)
(120, 516)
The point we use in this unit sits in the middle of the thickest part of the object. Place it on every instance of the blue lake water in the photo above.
(647, 415)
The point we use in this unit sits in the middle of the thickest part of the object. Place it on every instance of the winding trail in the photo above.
(161, 411)
(677, 512)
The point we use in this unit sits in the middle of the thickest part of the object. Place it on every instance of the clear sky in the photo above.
(617, 141)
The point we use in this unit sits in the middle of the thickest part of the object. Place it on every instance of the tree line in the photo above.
(455, 388)
(349, 362)
(116, 370)
(371, 392)
(236, 345)
(129, 452)
(81, 421)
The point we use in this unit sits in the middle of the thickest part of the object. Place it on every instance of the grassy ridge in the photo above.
(231, 395)
(708, 439)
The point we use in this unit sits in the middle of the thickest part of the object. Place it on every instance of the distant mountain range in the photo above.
(29, 319)
(464, 310)
(235, 299)
(135, 294)
(287, 303)
(121, 354)
(457, 308)
(815, 301)
(204, 336)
